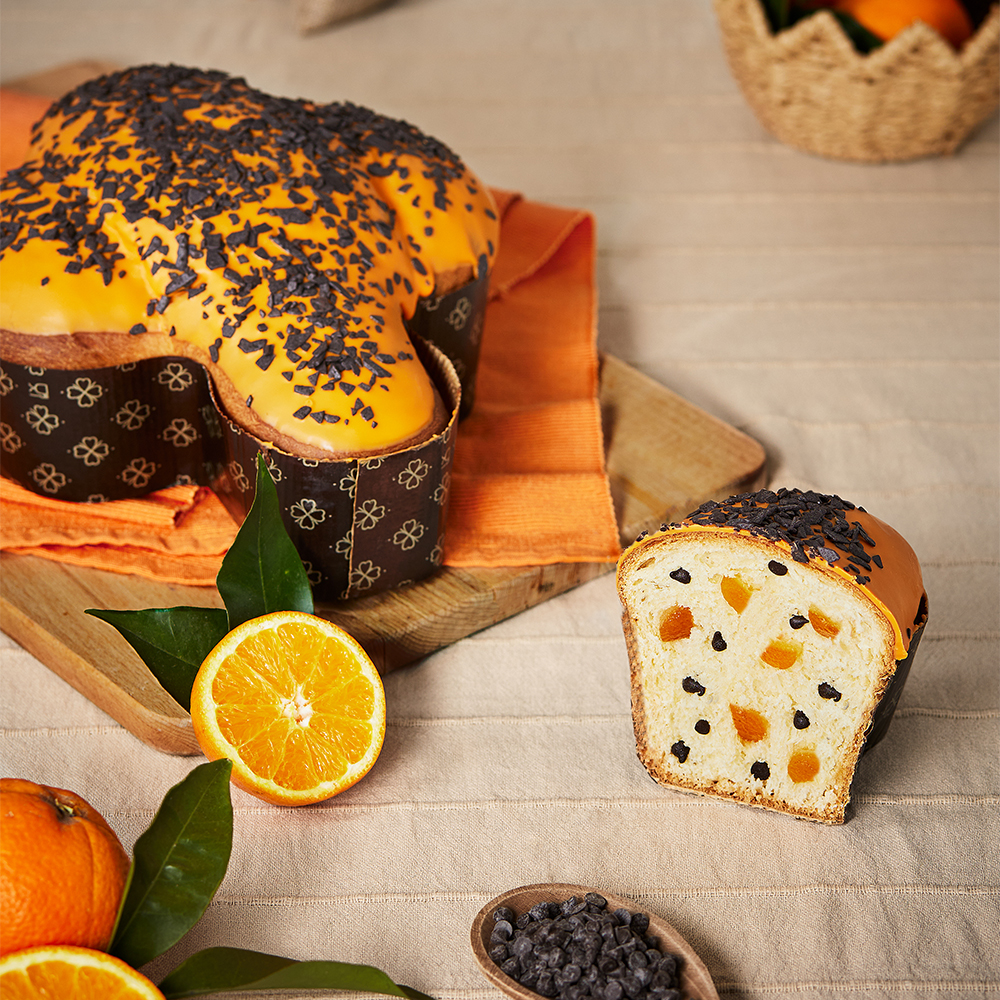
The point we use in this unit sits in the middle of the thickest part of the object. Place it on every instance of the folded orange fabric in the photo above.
(528, 482)
(178, 535)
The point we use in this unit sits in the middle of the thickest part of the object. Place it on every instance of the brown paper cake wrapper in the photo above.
(360, 525)
(118, 433)
(886, 707)
(809, 87)
(454, 323)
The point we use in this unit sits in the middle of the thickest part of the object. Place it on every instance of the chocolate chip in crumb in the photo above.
(680, 750)
(702, 727)
(797, 621)
(760, 770)
(681, 575)
(829, 691)
(800, 720)
(692, 686)
(777, 568)
(718, 643)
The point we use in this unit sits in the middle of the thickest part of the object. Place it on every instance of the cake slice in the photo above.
(768, 636)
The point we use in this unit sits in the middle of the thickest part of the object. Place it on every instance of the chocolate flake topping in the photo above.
(815, 525)
(190, 173)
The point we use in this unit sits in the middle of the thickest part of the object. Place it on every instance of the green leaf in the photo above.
(178, 864)
(777, 12)
(862, 39)
(262, 572)
(218, 970)
(173, 642)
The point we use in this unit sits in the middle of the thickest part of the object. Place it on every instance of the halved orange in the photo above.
(295, 703)
(62, 970)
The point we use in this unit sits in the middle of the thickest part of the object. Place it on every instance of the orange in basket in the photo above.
(65, 971)
(295, 703)
(887, 18)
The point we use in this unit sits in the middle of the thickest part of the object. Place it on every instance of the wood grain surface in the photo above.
(664, 457)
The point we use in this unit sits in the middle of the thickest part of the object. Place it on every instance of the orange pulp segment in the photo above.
(295, 703)
(68, 971)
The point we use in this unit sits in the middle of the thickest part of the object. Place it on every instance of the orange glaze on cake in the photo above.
(890, 575)
(285, 240)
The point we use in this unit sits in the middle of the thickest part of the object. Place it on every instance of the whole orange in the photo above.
(887, 18)
(62, 869)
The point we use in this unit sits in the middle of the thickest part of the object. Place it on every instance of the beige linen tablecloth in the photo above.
(844, 315)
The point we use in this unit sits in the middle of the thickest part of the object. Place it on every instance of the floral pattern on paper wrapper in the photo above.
(107, 433)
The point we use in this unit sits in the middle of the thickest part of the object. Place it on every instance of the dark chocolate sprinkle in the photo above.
(193, 172)
(812, 524)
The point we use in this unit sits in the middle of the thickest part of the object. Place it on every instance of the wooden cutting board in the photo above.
(664, 458)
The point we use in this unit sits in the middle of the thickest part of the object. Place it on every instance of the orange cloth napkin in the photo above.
(177, 535)
(528, 482)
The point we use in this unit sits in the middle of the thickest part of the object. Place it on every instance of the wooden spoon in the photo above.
(695, 979)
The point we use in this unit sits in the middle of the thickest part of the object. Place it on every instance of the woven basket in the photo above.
(808, 86)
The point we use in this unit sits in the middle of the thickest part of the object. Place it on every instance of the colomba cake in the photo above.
(768, 636)
(280, 243)
(194, 272)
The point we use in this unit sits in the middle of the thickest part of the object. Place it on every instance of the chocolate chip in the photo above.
(681, 575)
(702, 727)
(690, 685)
(800, 720)
(777, 568)
(760, 770)
(829, 691)
(680, 750)
(718, 643)
(797, 621)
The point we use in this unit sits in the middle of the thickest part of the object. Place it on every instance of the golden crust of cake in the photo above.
(757, 664)
(279, 242)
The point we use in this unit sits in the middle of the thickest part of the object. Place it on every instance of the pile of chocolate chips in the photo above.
(579, 948)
